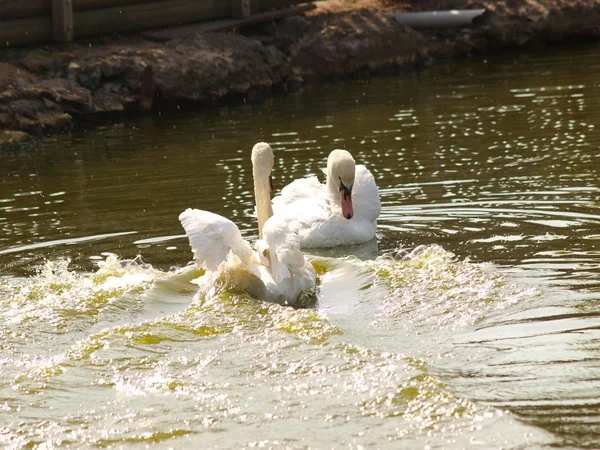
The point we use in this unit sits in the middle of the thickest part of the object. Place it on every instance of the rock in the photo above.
(55, 121)
(293, 26)
(46, 61)
(34, 114)
(12, 76)
(79, 79)
(356, 43)
(518, 23)
(284, 33)
(14, 139)
(26, 107)
(212, 66)
(68, 94)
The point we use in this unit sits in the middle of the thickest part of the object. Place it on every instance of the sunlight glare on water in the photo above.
(224, 363)
(472, 321)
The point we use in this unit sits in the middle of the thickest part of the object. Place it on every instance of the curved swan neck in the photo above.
(262, 197)
(333, 192)
(262, 163)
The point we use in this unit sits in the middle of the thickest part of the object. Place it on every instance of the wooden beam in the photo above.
(115, 20)
(62, 20)
(22, 9)
(148, 15)
(86, 5)
(168, 34)
(126, 19)
(26, 31)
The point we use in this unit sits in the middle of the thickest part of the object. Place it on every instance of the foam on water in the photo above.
(56, 293)
(156, 365)
(432, 287)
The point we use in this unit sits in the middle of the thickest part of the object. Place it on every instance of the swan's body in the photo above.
(343, 211)
(276, 271)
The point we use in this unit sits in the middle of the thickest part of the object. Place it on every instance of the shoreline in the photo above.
(48, 89)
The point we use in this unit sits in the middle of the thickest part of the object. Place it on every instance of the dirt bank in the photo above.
(42, 89)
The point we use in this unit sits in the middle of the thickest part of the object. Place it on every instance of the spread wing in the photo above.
(212, 237)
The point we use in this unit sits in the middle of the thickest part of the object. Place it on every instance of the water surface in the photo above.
(488, 334)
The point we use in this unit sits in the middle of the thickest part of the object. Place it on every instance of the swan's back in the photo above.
(212, 237)
(290, 271)
(305, 198)
(365, 195)
(281, 238)
(300, 189)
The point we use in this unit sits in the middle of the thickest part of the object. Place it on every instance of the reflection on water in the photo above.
(487, 334)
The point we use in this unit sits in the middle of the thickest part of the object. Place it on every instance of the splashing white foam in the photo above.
(431, 285)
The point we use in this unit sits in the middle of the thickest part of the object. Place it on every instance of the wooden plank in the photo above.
(21, 9)
(62, 20)
(115, 20)
(26, 31)
(149, 15)
(125, 19)
(240, 9)
(168, 34)
(86, 5)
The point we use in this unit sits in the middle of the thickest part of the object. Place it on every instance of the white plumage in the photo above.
(319, 206)
(276, 271)
(212, 237)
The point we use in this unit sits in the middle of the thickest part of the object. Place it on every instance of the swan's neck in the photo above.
(333, 194)
(262, 196)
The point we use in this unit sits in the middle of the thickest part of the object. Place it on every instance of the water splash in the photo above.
(431, 286)
(56, 293)
(225, 361)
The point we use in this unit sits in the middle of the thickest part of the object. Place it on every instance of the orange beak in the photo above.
(347, 209)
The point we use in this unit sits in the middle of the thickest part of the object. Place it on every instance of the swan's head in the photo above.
(262, 161)
(341, 170)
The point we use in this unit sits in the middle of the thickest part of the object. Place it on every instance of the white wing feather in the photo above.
(231, 263)
(306, 201)
(304, 198)
(212, 237)
(297, 191)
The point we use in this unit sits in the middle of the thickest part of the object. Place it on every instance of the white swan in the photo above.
(343, 211)
(277, 271)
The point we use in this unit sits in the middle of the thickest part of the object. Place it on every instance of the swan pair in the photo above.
(307, 214)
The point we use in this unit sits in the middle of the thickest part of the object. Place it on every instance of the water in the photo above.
(483, 332)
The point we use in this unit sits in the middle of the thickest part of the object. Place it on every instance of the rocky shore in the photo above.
(43, 89)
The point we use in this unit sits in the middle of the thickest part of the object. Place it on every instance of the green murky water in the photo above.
(488, 335)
